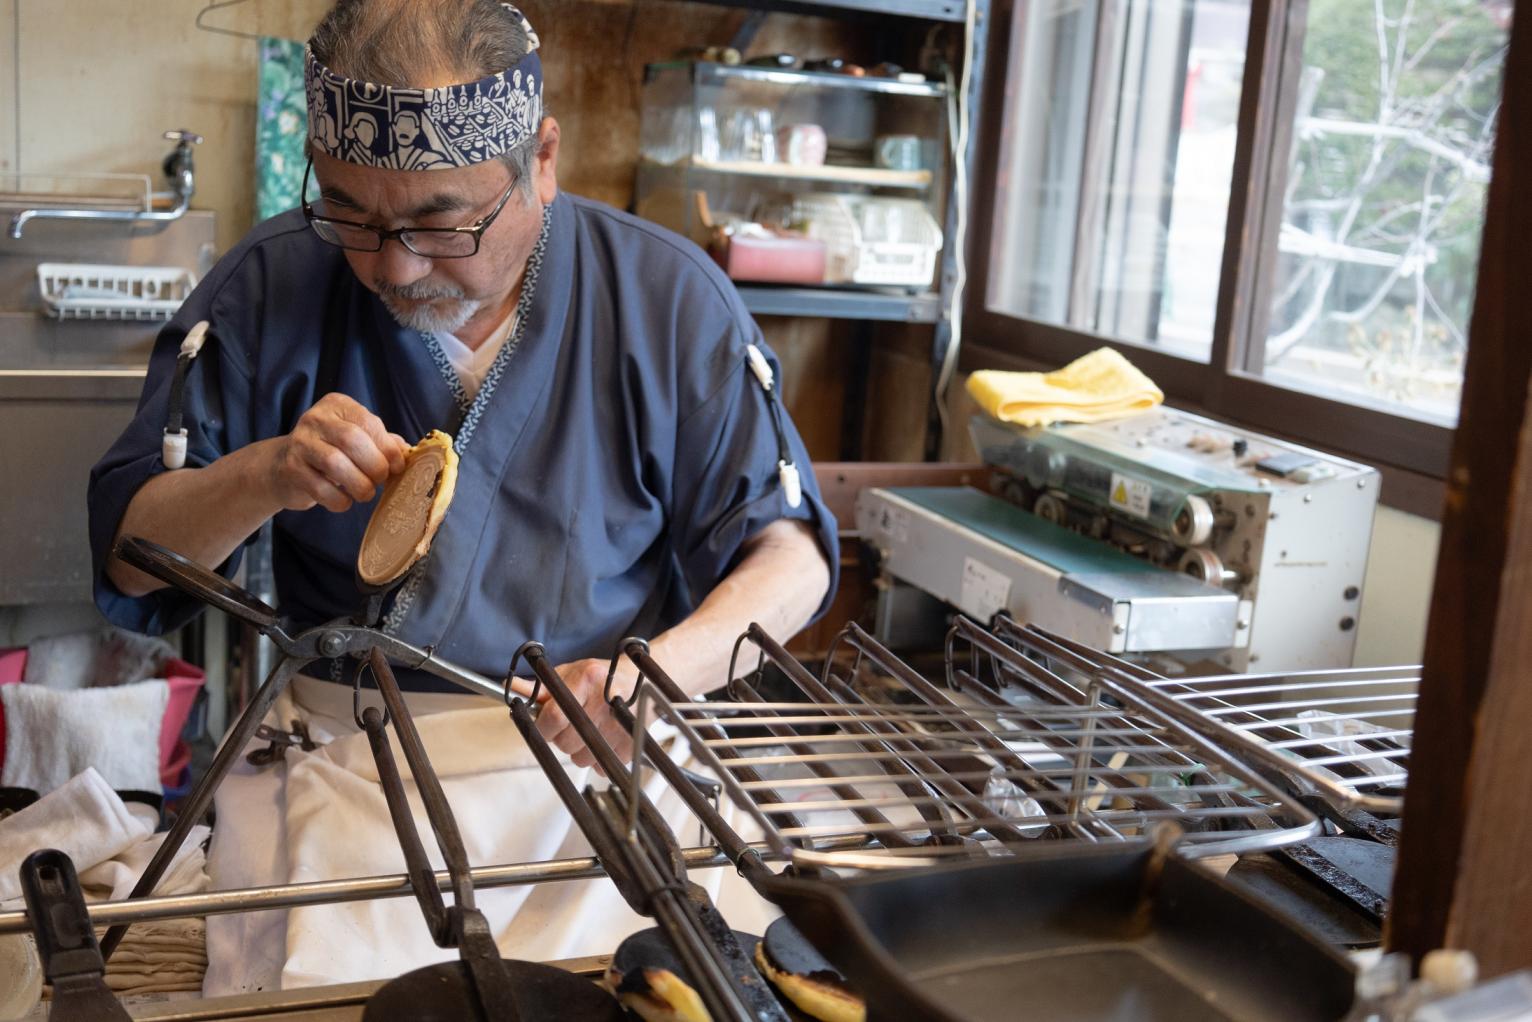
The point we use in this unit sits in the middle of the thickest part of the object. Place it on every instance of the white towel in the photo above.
(158, 958)
(52, 736)
(83, 818)
(62, 662)
(99, 658)
(113, 880)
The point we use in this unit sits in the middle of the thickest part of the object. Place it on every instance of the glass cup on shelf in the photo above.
(766, 132)
(899, 152)
(709, 141)
(748, 137)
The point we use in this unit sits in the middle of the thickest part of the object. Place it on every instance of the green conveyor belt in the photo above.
(1022, 531)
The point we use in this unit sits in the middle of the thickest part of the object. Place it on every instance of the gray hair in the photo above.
(400, 42)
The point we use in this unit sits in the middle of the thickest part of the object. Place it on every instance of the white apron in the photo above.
(321, 816)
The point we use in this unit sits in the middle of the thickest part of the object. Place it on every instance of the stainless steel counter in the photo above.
(67, 388)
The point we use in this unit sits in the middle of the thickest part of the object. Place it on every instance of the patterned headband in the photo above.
(425, 129)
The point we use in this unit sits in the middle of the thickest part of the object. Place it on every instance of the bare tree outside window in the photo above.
(1379, 243)
(1121, 128)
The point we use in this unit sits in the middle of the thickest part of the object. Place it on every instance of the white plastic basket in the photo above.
(871, 239)
(92, 291)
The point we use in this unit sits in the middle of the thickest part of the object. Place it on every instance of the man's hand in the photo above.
(777, 584)
(587, 680)
(338, 454)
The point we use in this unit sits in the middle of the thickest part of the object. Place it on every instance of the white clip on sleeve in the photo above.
(759, 366)
(173, 449)
(792, 483)
(173, 441)
(192, 343)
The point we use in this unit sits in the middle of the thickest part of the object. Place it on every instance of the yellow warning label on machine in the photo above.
(1130, 495)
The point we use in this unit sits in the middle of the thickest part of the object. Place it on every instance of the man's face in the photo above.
(442, 294)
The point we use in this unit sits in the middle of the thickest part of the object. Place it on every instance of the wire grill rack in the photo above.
(1343, 734)
(912, 773)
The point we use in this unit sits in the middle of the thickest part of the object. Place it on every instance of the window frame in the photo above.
(1413, 453)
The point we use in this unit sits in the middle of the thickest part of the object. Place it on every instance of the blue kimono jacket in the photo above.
(611, 468)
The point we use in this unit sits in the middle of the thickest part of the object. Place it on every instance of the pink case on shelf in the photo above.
(774, 260)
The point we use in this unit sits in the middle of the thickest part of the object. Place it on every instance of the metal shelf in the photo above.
(873, 306)
(836, 303)
(928, 10)
(870, 177)
(706, 72)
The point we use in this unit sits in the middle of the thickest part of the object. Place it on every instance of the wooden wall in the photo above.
(1462, 880)
(98, 81)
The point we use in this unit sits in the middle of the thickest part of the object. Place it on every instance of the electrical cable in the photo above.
(958, 131)
(174, 438)
(787, 471)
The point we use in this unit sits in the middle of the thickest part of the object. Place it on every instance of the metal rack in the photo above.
(1343, 735)
(882, 758)
(847, 303)
(873, 767)
(1345, 732)
(644, 861)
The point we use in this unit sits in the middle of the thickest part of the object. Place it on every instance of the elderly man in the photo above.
(622, 469)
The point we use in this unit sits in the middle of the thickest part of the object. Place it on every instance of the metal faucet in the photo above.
(177, 167)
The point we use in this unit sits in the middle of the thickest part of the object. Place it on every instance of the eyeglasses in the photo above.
(431, 242)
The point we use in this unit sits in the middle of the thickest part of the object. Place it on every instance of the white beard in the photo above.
(446, 312)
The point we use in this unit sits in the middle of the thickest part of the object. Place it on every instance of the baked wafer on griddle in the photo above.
(648, 978)
(805, 977)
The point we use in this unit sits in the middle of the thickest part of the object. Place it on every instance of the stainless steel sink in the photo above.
(67, 388)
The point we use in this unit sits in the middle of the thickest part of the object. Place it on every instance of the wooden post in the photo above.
(1465, 862)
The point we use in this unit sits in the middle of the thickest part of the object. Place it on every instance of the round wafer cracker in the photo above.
(409, 512)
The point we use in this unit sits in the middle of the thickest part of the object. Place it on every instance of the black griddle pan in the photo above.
(1089, 934)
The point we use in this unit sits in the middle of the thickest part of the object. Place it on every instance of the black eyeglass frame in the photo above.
(383, 234)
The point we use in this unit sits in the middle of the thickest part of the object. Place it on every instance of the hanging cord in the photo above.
(173, 440)
(959, 129)
(787, 472)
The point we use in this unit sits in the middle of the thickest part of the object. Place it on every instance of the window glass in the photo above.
(1378, 248)
(1117, 151)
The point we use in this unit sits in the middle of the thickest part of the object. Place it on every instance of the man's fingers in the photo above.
(323, 492)
(612, 733)
(586, 680)
(394, 449)
(620, 741)
(345, 406)
(354, 413)
(551, 721)
(360, 447)
(338, 469)
(343, 409)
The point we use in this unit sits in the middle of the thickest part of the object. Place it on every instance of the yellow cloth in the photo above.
(1094, 387)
